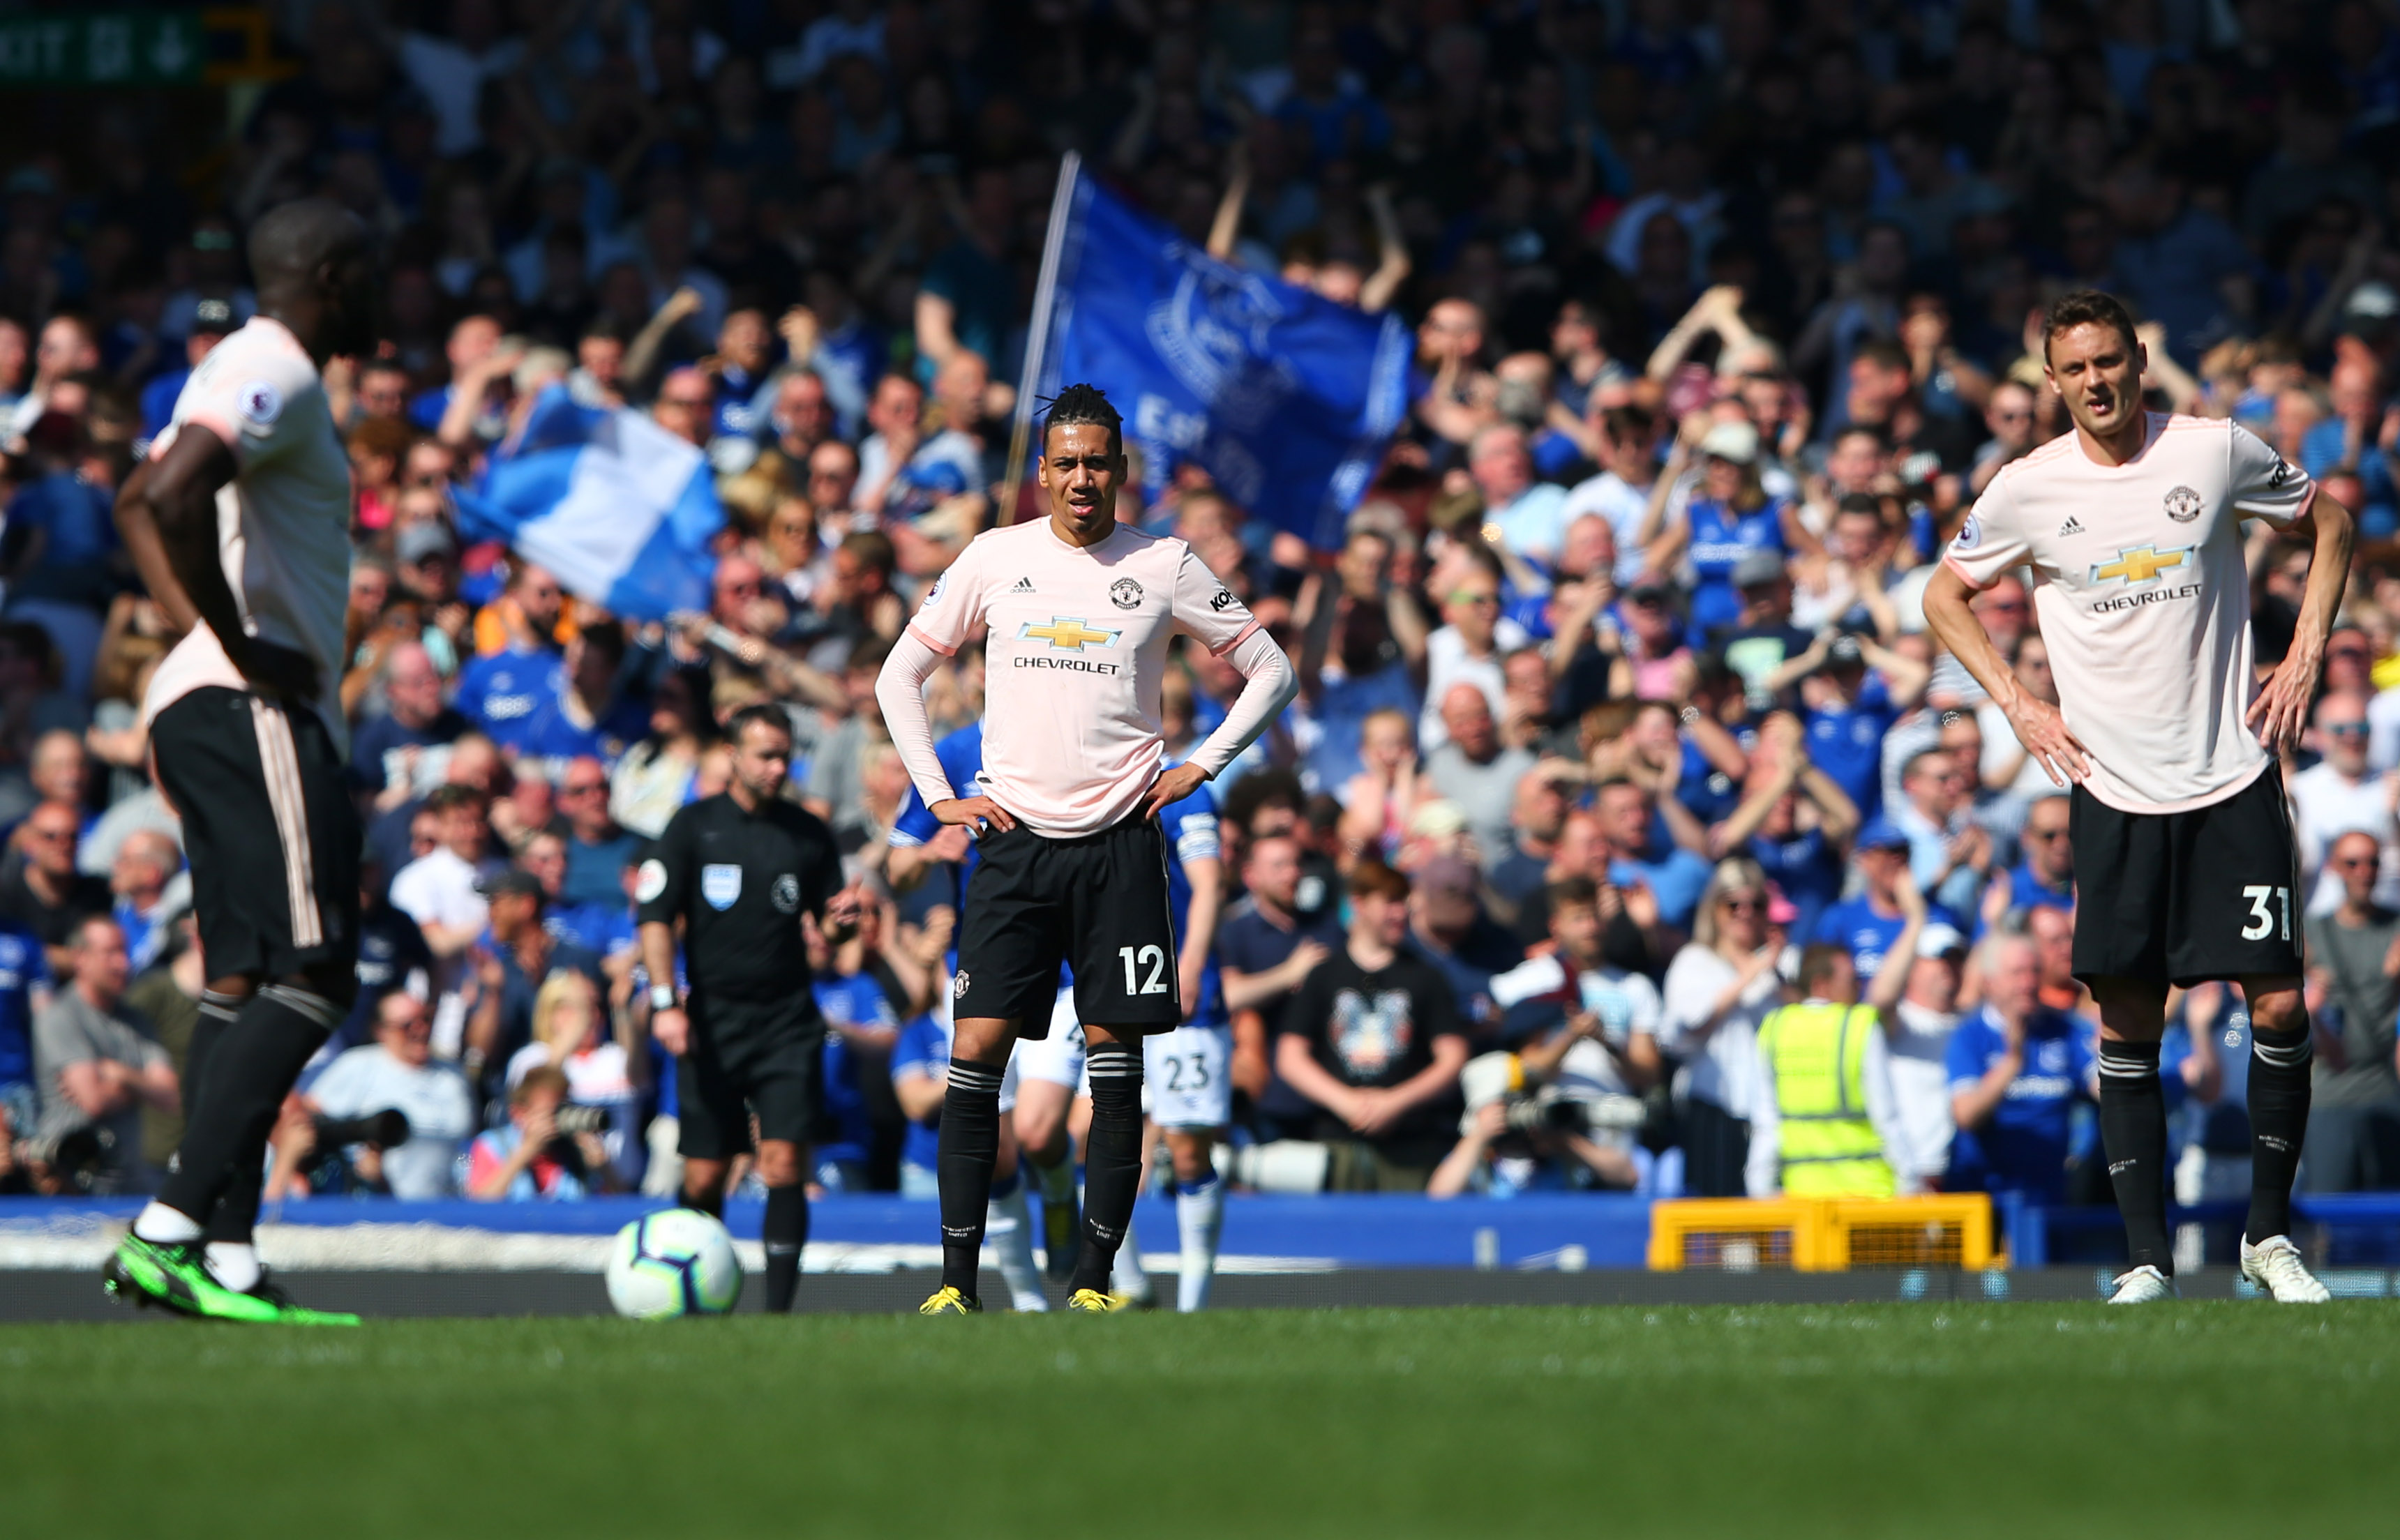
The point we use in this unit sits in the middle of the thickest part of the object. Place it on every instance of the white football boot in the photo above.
(2144, 1285)
(2274, 1265)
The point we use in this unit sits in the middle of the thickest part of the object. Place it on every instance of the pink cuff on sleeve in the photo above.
(1242, 637)
(945, 651)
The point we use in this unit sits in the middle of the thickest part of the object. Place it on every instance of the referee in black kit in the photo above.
(738, 870)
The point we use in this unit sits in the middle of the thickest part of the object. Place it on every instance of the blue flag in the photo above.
(619, 507)
(1286, 399)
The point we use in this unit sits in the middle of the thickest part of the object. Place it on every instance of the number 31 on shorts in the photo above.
(2263, 921)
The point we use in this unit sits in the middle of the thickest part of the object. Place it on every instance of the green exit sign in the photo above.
(134, 48)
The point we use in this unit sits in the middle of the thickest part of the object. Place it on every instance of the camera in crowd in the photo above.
(1534, 1110)
(385, 1130)
(572, 1120)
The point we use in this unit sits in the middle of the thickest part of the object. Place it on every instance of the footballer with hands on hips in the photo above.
(2185, 863)
(239, 523)
(740, 872)
(1079, 611)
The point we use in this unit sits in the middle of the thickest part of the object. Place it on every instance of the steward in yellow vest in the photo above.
(1825, 1108)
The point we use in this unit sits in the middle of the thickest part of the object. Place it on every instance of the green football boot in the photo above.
(175, 1276)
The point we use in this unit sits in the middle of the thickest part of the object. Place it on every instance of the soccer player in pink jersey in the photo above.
(2184, 857)
(1079, 611)
(238, 524)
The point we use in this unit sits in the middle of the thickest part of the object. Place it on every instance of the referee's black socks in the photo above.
(2134, 1137)
(2279, 1119)
(970, 1146)
(1112, 1159)
(785, 1234)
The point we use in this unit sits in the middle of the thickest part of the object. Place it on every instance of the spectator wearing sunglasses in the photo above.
(2339, 794)
(2045, 877)
(2353, 1143)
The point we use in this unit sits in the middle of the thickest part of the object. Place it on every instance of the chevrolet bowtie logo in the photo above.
(2139, 564)
(1067, 634)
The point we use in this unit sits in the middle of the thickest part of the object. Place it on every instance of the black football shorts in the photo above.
(269, 828)
(1098, 904)
(747, 1057)
(2180, 897)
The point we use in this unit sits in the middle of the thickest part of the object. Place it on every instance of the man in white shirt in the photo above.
(1530, 515)
(440, 891)
(2339, 794)
(1467, 650)
(1628, 439)
(399, 1072)
(1918, 1034)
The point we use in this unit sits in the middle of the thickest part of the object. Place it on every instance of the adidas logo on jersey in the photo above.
(1024, 585)
(2070, 526)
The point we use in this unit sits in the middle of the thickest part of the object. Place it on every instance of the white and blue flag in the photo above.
(1286, 399)
(623, 510)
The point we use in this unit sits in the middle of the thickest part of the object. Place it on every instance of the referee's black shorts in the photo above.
(1099, 903)
(2180, 897)
(747, 1057)
(270, 831)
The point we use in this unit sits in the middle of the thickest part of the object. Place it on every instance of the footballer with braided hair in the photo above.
(1080, 611)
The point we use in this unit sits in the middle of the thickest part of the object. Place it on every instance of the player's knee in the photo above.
(779, 1162)
(1192, 1156)
(703, 1180)
(2278, 1010)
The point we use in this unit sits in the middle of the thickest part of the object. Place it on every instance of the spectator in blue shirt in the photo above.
(1849, 709)
(597, 851)
(1375, 675)
(587, 714)
(2045, 877)
(24, 968)
(1869, 923)
(1792, 823)
(391, 749)
(920, 1069)
(211, 318)
(503, 691)
(1639, 855)
(860, 1029)
(2016, 1069)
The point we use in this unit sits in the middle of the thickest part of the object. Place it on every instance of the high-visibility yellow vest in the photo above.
(1829, 1150)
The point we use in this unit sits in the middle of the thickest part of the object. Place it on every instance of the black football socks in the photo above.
(2279, 1119)
(1111, 1160)
(785, 1233)
(251, 1068)
(2133, 1136)
(970, 1147)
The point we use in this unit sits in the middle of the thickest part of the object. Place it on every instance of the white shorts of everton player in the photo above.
(1057, 1059)
(1188, 1073)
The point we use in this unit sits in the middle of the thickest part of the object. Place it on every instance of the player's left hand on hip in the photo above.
(1172, 787)
(2281, 712)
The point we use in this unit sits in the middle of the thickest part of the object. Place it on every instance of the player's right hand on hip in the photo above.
(976, 813)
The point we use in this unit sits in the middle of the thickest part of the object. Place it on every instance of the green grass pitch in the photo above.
(1930, 1420)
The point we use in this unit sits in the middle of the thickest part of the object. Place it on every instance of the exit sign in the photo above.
(135, 47)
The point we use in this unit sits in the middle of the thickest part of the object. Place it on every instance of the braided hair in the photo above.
(1084, 404)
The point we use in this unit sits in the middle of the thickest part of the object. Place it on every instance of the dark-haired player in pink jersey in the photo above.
(2183, 860)
(1079, 611)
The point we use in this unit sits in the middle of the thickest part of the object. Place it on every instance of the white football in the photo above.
(677, 1262)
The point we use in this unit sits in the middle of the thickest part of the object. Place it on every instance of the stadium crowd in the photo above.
(1619, 722)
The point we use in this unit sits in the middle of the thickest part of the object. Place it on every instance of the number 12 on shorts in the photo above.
(1152, 958)
(2263, 920)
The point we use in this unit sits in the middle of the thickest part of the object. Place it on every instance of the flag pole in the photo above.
(1046, 291)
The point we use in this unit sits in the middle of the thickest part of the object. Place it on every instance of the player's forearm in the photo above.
(2337, 532)
(900, 690)
(1954, 626)
(137, 527)
(1269, 686)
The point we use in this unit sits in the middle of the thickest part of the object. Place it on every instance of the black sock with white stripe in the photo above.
(1112, 1159)
(785, 1234)
(970, 1147)
(251, 1070)
(2280, 1065)
(2133, 1134)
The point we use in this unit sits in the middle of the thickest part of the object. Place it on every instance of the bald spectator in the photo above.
(97, 1069)
(1530, 515)
(148, 894)
(1472, 769)
(42, 888)
(685, 405)
(1639, 852)
(597, 850)
(1466, 648)
(400, 754)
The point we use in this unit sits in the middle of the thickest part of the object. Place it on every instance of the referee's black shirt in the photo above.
(740, 881)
